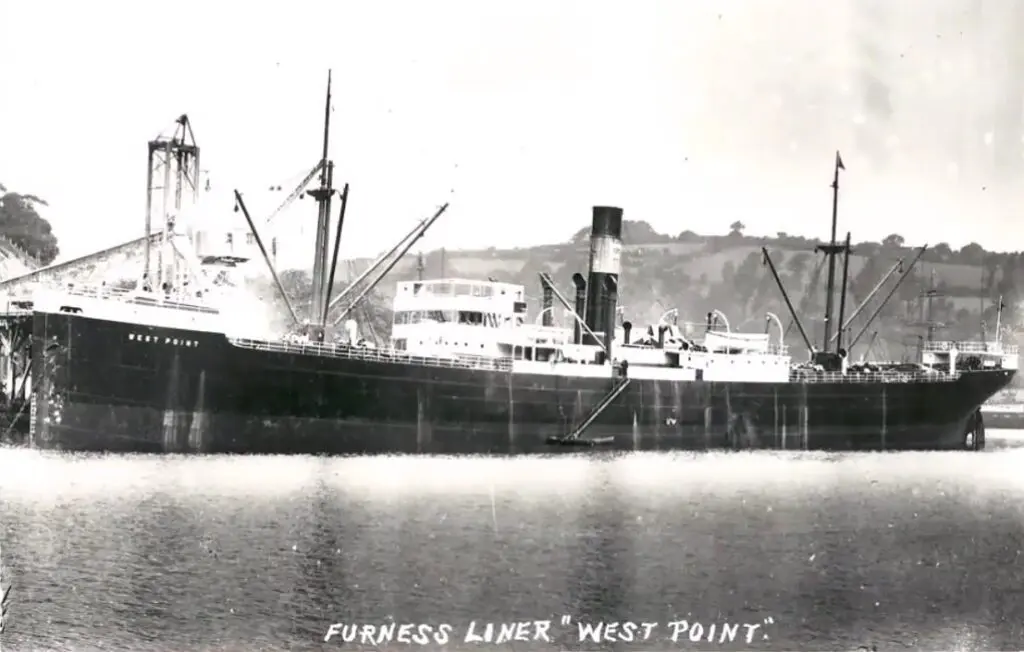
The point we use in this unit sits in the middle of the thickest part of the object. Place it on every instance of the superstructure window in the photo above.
(440, 316)
(471, 317)
(522, 352)
(420, 316)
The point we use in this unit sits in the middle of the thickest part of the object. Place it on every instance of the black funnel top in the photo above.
(607, 221)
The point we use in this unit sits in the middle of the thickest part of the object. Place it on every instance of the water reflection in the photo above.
(916, 550)
(601, 560)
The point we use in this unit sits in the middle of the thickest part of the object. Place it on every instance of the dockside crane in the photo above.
(173, 169)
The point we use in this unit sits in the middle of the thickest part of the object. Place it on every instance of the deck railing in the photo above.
(13, 308)
(470, 361)
(807, 376)
(992, 348)
(135, 297)
(329, 350)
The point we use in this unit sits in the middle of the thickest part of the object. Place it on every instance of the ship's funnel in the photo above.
(602, 284)
(581, 304)
(611, 299)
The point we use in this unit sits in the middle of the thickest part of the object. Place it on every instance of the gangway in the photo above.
(575, 437)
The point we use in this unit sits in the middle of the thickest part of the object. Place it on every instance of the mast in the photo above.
(931, 295)
(322, 195)
(831, 250)
(842, 296)
(999, 320)
(926, 312)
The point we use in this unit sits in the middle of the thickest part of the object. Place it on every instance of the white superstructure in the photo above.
(458, 317)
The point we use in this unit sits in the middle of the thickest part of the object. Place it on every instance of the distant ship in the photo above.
(1005, 410)
(466, 370)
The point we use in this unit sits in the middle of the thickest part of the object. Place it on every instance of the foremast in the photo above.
(323, 195)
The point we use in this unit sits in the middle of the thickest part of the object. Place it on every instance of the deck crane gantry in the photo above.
(175, 161)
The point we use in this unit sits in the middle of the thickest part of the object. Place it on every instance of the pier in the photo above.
(21, 277)
(15, 369)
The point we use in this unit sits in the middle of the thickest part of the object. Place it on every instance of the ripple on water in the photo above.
(915, 550)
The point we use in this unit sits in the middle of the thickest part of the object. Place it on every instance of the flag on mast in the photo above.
(839, 161)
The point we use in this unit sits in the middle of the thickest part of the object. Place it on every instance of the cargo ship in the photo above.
(164, 368)
(1005, 410)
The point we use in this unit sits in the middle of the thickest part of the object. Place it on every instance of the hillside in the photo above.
(699, 273)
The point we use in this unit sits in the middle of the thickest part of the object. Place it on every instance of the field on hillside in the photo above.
(651, 265)
(666, 248)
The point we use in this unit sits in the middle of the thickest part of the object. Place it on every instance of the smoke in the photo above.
(248, 314)
(247, 308)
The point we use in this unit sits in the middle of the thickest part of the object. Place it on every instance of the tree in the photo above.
(747, 280)
(641, 232)
(893, 241)
(373, 311)
(942, 251)
(728, 273)
(633, 232)
(21, 224)
(736, 229)
(798, 263)
(972, 254)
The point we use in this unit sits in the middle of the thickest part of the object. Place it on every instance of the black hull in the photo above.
(101, 389)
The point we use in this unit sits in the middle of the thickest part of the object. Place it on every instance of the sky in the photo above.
(523, 115)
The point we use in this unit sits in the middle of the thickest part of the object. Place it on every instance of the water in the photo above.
(902, 551)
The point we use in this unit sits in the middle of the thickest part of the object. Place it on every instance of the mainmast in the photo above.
(842, 294)
(930, 295)
(926, 316)
(322, 195)
(831, 250)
